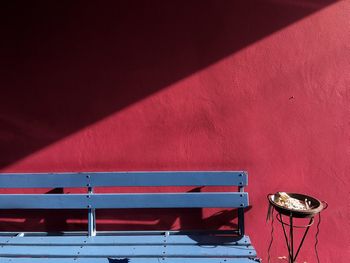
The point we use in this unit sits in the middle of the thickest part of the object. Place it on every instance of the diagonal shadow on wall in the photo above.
(67, 64)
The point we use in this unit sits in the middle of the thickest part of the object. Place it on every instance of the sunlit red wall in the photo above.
(261, 86)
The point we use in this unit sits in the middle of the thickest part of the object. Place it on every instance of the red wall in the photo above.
(213, 85)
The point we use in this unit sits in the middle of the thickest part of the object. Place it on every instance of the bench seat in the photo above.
(133, 260)
(136, 248)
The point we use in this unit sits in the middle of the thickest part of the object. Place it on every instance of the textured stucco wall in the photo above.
(260, 86)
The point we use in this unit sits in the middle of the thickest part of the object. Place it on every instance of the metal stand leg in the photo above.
(285, 235)
(302, 240)
(290, 240)
(291, 254)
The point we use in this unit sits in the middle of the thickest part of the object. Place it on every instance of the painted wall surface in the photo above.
(261, 86)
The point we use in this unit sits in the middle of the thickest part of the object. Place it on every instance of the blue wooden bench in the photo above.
(122, 246)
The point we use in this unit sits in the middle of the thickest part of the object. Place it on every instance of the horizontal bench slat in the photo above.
(131, 260)
(139, 179)
(156, 200)
(128, 251)
(126, 240)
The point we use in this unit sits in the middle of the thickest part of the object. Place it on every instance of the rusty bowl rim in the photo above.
(311, 211)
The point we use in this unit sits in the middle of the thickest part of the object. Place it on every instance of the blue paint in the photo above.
(47, 180)
(146, 200)
(131, 260)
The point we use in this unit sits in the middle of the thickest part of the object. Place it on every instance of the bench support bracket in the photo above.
(91, 216)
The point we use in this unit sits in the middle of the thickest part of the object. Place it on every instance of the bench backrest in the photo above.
(91, 201)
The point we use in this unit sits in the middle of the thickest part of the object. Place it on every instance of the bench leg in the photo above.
(241, 221)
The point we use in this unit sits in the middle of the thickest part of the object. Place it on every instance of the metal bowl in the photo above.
(316, 206)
